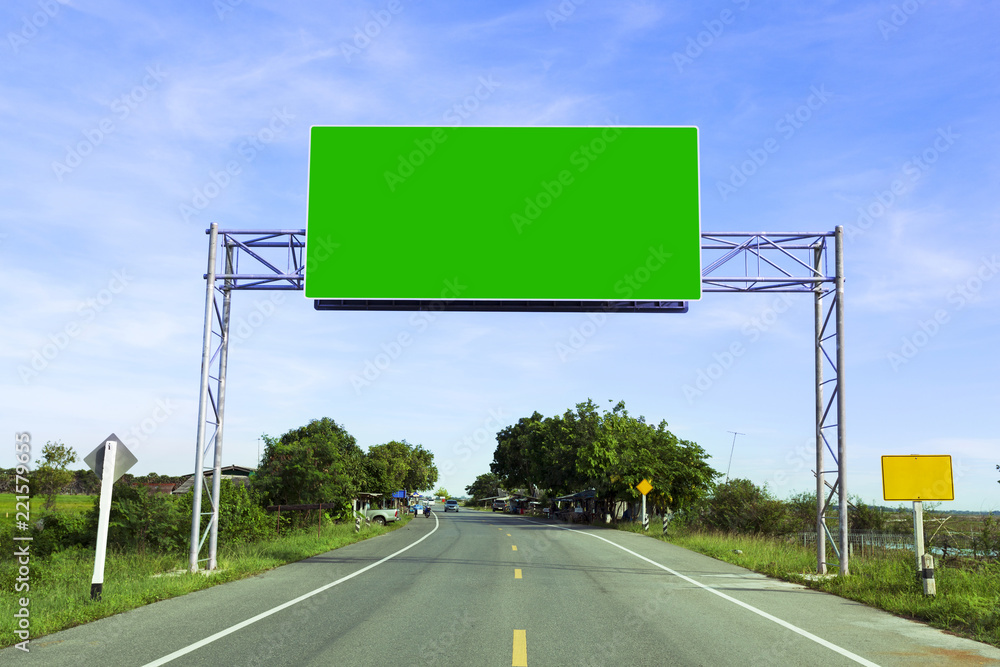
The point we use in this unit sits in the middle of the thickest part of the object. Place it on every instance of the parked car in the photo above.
(499, 506)
(451, 504)
(381, 517)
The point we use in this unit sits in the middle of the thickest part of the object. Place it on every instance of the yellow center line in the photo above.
(520, 657)
(513, 547)
(517, 573)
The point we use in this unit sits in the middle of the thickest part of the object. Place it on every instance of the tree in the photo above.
(422, 473)
(609, 452)
(51, 475)
(485, 486)
(316, 463)
(387, 467)
(442, 492)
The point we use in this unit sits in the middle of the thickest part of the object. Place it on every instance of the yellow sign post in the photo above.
(644, 487)
(918, 478)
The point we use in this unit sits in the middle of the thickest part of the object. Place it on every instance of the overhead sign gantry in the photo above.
(526, 220)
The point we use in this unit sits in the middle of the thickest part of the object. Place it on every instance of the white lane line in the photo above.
(785, 624)
(250, 621)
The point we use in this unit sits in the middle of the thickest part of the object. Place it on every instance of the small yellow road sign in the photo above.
(917, 478)
(644, 487)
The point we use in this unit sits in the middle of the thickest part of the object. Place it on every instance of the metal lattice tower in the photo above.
(262, 250)
(798, 262)
(755, 262)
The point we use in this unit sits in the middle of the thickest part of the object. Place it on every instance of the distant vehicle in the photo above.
(431, 502)
(451, 504)
(499, 506)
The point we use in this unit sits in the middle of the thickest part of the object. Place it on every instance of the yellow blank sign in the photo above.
(917, 478)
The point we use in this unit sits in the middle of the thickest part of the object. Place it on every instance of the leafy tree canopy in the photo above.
(51, 473)
(318, 462)
(485, 486)
(610, 452)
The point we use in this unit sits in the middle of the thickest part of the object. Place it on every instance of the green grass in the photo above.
(968, 592)
(60, 584)
(64, 503)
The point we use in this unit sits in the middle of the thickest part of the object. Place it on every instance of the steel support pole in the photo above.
(206, 360)
(213, 536)
(820, 490)
(841, 403)
(918, 535)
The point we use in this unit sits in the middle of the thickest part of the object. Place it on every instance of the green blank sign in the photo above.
(505, 213)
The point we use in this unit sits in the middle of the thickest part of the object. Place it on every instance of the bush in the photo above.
(55, 531)
(865, 517)
(738, 506)
(141, 520)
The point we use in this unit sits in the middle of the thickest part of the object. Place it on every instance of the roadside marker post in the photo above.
(930, 588)
(668, 516)
(109, 461)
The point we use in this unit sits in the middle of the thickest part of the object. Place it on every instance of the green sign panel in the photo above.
(504, 213)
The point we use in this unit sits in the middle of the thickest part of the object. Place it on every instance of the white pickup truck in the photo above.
(381, 517)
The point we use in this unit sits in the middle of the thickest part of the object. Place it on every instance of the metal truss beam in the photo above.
(732, 262)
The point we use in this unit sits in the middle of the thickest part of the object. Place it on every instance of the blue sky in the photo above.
(115, 116)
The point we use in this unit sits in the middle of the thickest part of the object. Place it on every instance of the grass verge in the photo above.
(60, 584)
(968, 592)
(64, 503)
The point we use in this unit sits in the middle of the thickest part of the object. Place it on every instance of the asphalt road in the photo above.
(492, 589)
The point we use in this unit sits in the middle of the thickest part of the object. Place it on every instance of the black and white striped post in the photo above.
(930, 588)
(667, 518)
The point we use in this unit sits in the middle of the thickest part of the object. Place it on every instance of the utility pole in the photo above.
(735, 433)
